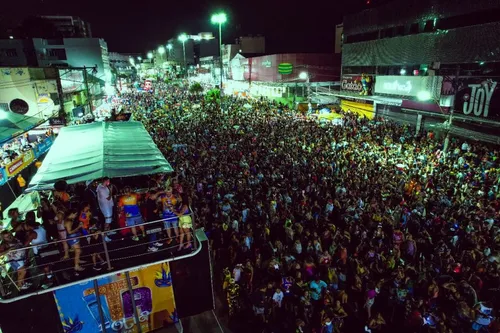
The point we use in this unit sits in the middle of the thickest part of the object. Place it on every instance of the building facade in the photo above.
(69, 26)
(60, 52)
(436, 64)
(32, 92)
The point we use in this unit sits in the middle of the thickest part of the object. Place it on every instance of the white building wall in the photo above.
(80, 52)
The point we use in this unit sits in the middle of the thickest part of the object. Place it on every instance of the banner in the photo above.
(19, 163)
(3, 177)
(79, 311)
(43, 147)
(351, 83)
(408, 85)
(476, 97)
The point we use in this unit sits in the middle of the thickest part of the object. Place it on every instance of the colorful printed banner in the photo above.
(153, 296)
(19, 163)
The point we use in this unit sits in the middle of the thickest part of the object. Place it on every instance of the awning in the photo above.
(100, 149)
(13, 124)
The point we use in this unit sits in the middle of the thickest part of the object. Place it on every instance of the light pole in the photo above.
(219, 19)
(169, 48)
(183, 38)
(427, 96)
(305, 76)
(161, 52)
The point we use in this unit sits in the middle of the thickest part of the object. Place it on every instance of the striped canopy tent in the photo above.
(100, 149)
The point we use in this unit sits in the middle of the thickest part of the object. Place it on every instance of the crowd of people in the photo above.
(77, 220)
(364, 227)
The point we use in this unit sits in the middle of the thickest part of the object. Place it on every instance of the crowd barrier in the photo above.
(119, 253)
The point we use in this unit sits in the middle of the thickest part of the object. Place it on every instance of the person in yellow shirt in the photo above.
(22, 182)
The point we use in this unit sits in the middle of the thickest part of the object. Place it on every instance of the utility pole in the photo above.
(450, 118)
(86, 79)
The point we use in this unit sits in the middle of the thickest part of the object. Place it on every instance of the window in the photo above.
(10, 52)
(60, 54)
(55, 41)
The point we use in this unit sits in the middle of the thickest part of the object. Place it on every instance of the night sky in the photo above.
(138, 26)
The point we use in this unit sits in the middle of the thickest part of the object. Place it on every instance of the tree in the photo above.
(196, 88)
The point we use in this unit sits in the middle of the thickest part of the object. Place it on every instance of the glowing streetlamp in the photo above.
(169, 48)
(161, 50)
(139, 58)
(220, 19)
(150, 55)
(183, 38)
(424, 95)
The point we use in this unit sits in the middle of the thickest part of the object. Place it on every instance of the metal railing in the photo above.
(121, 251)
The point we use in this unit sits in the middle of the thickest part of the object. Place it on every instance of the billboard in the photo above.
(153, 295)
(476, 97)
(409, 86)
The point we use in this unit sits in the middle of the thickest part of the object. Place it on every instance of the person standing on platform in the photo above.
(129, 203)
(105, 200)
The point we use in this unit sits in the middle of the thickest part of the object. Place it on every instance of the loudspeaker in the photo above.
(192, 281)
(34, 314)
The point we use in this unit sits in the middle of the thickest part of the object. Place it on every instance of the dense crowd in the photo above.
(360, 227)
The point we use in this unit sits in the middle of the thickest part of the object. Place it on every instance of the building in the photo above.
(339, 38)
(32, 92)
(59, 52)
(69, 26)
(283, 75)
(419, 66)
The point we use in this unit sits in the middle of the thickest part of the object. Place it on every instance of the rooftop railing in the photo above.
(47, 271)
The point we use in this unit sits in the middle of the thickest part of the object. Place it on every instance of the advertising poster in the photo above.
(476, 97)
(20, 163)
(153, 295)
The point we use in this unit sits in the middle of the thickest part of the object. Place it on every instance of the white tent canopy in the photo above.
(100, 149)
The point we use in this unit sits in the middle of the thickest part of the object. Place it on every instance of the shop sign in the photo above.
(478, 97)
(19, 163)
(407, 85)
(57, 122)
(351, 83)
(266, 63)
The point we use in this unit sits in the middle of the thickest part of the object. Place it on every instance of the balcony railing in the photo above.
(47, 271)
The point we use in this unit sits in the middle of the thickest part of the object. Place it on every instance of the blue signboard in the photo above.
(43, 147)
(3, 176)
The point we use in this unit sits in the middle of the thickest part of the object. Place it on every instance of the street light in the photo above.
(169, 48)
(161, 50)
(220, 19)
(305, 76)
(183, 38)
(424, 95)
(150, 55)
